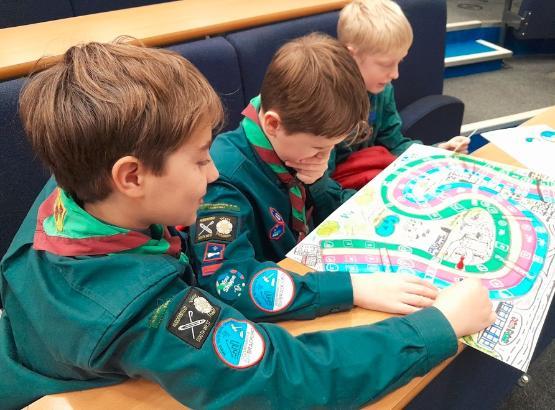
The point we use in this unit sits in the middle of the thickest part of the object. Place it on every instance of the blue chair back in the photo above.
(19, 12)
(255, 47)
(217, 60)
(21, 174)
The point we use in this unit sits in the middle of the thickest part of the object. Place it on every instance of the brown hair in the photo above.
(105, 101)
(315, 86)
(374, 27)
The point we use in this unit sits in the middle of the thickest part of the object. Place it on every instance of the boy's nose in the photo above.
(395, 73)
(213, 173)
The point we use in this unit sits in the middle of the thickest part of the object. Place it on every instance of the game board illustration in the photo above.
(532, 146)
(444, 217)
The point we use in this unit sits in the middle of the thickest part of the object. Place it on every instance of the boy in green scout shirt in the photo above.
(96, 289)
(273, 188)
(378, 35)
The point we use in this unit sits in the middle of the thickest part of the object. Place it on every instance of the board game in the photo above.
(444, 217)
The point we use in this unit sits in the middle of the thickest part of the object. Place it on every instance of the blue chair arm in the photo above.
(433, 118)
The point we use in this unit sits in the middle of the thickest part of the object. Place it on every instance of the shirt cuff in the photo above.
(336, 292)
(436, 332)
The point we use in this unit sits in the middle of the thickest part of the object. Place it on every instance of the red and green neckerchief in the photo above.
(263, 147)
(66, 229)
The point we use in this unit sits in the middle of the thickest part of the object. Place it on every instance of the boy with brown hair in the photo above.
(273, 188)
(378, 36)
(97, 290)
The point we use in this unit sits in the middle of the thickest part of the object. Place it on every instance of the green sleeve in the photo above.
(327, 195)
(261, 290)
(231, 362)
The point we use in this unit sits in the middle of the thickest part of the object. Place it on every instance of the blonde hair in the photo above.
(102, 102)
(374, 26)
(315, 86)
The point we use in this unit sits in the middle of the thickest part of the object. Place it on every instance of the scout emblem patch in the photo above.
(272, 290)
(278, 229)
(230, 285)
(213, 252)
(238, 344)
(194, 318)
(276, 216)
(219, 227)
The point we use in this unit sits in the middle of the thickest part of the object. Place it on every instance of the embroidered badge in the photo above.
(276, 216)
(219, 206)
(208, 270)
(238, 344)
(158, 314)
(221, 227)
(213, 252)
(230, 285)
(277, 231)
(60, 212)
(272, 290)
(194, 318)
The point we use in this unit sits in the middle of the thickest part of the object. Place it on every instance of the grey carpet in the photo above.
(539, 392)
(484, 10)
(523, 84)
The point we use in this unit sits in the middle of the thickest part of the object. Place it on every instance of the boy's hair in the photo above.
(314, 84)
(106, 101)
(374, 26)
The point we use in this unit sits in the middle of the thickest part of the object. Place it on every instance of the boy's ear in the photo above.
(128, 176)
(352, 50)
(271, 123)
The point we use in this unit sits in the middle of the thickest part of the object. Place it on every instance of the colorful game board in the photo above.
(444, 217)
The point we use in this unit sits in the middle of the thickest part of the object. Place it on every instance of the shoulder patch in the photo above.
(216, 227)
(194, 318)
(238, 343)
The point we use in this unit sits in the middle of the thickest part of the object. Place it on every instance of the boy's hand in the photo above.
(467, 306)
(392, 293)
(311, 169)
(457, 144)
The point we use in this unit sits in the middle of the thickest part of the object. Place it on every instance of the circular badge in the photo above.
(224, 226)
(272, 290)
(230, 285)
(238, 344)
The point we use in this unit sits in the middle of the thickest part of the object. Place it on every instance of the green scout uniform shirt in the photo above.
(84, 321)
(386, 128)
(249, 194)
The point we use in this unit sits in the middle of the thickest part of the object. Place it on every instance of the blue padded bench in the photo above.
(19, 12)
(21, 174)
(217, 60)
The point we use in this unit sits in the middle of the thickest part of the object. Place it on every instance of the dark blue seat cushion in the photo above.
(255, 47)
(19, 12)
(81, 7)
(21, 174)
(217, 60)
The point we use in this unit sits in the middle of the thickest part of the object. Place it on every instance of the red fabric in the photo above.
(362, 166)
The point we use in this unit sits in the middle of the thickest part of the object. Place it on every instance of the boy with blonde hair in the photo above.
(378, 36)
(97, 290)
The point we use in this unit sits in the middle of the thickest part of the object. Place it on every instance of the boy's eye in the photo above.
(205, 162)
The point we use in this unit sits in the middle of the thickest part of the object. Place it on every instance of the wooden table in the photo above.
(154, 25)
(143, 395)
